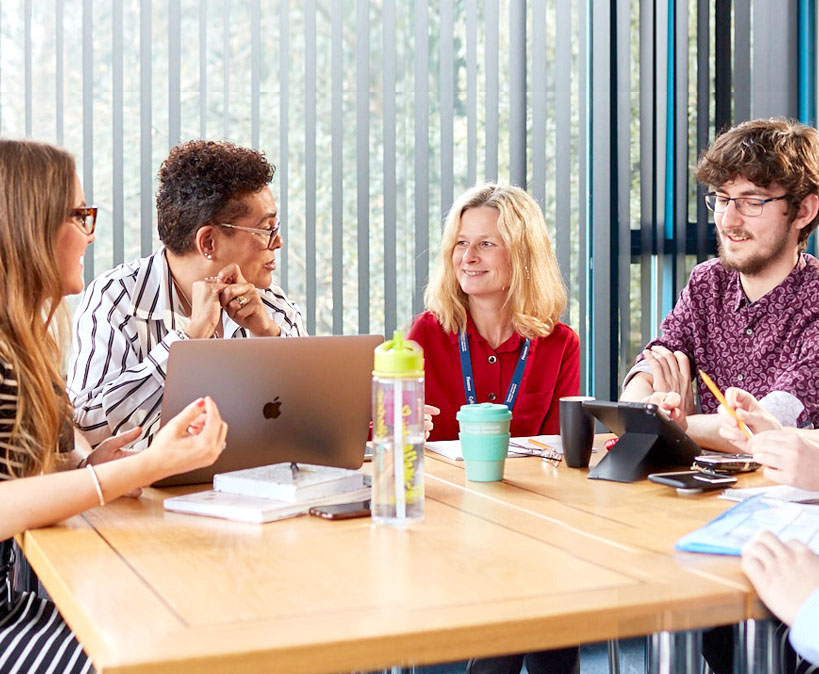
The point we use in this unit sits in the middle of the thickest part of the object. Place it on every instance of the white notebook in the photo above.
(278, 481)
(518, 447)
(780, 492)
(244, 508)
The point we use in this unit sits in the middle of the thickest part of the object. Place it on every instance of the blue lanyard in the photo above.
(469, 379)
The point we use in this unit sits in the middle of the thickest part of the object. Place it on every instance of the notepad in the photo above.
(278, 481)
(244, 508)
(518, 447)
(728, 533)
(780, 492)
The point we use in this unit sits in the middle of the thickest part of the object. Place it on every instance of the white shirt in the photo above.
(804, 633)
(123, 328)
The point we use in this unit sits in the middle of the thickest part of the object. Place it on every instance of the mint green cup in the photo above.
(484, 440)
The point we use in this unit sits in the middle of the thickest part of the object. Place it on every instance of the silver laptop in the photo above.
(303, 399)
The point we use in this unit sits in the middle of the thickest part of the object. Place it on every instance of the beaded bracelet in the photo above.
(97, 485)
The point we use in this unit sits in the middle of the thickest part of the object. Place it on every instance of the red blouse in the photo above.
(552, 371)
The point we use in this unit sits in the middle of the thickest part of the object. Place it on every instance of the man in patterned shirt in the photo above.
(212, 278)
(750, 318)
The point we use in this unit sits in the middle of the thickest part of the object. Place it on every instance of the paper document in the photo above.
(780, 492)
(518, 447)
(728, 533)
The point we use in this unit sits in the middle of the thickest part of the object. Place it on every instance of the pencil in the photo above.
(721, 398)
(542, 445)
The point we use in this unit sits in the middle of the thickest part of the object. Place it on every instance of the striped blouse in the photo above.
(123, 328)
(33, 634)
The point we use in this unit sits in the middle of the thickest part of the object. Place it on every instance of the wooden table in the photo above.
(544, 559)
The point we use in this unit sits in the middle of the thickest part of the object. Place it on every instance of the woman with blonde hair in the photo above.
(492, 334)
(45, 228)
(493, 315)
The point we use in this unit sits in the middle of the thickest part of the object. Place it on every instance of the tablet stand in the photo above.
(628, 460)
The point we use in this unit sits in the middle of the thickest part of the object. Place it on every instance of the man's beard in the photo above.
(756, 263)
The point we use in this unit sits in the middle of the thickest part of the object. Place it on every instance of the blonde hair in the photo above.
(537, 294)
(36, 194)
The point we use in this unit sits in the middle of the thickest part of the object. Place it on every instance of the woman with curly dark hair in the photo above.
(213, 277)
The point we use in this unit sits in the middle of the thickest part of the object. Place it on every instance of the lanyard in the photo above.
(469, 379)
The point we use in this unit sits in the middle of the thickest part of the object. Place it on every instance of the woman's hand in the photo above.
(242, 302)
(788, 457)
(194, 438)
(111, 449)
(429, 412)
(783, 574)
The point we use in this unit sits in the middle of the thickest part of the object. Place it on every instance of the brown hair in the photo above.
(203, 181)
(766, 151)
(38, 183)
(537, 294)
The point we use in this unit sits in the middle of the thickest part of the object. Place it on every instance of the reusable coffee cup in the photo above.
(576, 431)
(484, 440)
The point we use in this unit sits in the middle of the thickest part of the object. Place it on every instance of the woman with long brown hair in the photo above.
(45, 227)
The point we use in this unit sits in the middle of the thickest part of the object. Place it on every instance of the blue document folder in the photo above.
(728, 533)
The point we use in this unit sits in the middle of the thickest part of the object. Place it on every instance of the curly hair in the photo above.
(202, 181)
(536, 295)
(767, 151)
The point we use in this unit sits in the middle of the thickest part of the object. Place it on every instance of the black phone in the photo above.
(693, 480)
(342, 511)
(726, 463)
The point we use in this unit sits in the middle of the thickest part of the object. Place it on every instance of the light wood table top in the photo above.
(544, 559)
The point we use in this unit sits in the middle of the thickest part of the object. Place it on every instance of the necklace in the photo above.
(187, 307)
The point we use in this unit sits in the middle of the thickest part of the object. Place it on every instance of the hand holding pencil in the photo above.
(722, 401)
(747, 409)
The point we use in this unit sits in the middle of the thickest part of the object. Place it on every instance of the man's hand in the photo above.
(242, 302)
(783, 574)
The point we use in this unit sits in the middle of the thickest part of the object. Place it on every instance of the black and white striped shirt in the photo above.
(33, 634)
(123, 328)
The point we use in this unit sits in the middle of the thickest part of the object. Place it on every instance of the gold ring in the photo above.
(242, 300)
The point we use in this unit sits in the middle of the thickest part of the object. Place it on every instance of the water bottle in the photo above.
(398, 432)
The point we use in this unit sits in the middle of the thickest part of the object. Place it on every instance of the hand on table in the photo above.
(783, 574)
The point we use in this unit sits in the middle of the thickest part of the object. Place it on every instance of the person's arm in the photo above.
(185, 443)
(113, 385)
(567, 384)
(804, 635)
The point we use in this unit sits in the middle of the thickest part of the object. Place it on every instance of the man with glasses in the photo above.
(751, 317)
(212, 278)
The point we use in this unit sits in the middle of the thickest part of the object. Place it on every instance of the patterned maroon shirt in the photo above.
(769, 347)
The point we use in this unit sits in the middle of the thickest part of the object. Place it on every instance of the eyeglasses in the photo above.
(267, 236)
(554, 458)
(745, 205)
(85, 218)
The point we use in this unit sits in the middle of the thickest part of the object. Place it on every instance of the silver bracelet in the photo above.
(97, 485)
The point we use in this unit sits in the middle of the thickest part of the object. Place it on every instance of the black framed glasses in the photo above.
(266, 236)
(746, 205)
(85, 218)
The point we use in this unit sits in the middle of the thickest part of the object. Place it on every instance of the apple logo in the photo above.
(272, 410)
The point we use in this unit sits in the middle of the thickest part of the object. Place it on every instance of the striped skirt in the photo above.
(35, 639)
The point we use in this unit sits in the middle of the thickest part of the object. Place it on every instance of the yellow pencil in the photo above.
(542, 445)
(721, 398)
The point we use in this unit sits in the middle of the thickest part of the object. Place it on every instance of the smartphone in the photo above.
(342, 511)
(726, 463)
(690, 481)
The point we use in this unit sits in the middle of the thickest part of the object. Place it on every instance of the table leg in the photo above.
(674, 652)
(756, 650)
(614, 656)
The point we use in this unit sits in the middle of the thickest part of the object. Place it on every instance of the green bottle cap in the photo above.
(399, 357)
